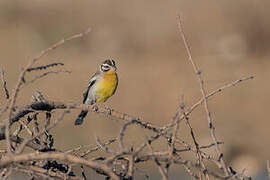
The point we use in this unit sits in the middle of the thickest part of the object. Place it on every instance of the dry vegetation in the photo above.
(30, 147)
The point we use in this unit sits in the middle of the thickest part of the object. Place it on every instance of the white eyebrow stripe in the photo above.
(105, 67)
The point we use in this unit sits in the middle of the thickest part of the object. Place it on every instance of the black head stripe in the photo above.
(113, 62)
(110, 62)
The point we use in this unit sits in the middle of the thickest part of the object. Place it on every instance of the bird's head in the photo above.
(107, 65)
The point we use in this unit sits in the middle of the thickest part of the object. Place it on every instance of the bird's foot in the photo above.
(109, 110)
(95, 108)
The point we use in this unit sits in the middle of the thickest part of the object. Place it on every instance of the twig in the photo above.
(22, 146)
(31, 145)
(7, 174)
(161, 169)
(35, 123)
(83, 172)
(213, 93)
(210, 145)
(97, 147)
(219, 90)
(268, 169)
(130, 172)
(163, 157)
(51, 105)
(121, 134)
(110, 159)
(188, 165)
(198, 150)
(42, 172)
(176, 120)
(103, 146)
(188, 170)
(26, 127)
(4, 83)
(46, 133)
(202, 88)
(45, 74)
(44, 67)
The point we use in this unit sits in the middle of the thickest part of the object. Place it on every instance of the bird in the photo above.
(101, 86)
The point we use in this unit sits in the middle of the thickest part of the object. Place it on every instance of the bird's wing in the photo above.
(90, 84)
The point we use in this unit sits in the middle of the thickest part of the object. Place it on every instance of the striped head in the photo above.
(108, 65)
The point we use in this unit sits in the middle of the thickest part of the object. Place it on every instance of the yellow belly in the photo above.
(107, 86)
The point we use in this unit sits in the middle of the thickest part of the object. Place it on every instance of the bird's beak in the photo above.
(115, 68)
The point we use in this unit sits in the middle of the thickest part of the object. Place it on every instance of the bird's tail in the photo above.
(81, 117)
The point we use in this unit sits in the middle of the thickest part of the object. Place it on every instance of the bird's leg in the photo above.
(95, 107)
(109, 110)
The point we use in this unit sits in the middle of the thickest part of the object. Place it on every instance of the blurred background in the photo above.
(229, 40)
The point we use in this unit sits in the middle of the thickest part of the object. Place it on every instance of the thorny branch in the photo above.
(47, 106)
(9, 159)
(44, 67)
(4, 82)
(119, 162)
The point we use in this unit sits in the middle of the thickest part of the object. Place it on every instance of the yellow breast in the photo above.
(107, 86)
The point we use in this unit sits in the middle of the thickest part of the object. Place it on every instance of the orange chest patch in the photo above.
(107, 86)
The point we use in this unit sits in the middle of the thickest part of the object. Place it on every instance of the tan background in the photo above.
(229, 40)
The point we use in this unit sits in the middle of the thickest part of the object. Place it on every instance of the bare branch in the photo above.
(98, 147)
(120, 163)
(177, 119)
(130, 172)
(103, 146)
(44, 173)
(22, 146)
(160, 168)
(203, 91)
(219, 90)
(198, 150)
(268, 169)
(16, 158)
(4, 83)
(44, 67)
(122, 133)
(51, 105)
